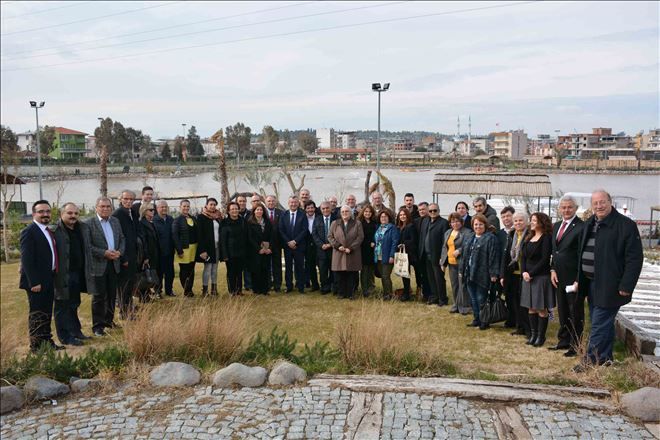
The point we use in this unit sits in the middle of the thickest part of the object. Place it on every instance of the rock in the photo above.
(174, 374)
(80, 385)
(286, 373)
(239, 374)
(11, 398)
(643, 404)
(39, 387)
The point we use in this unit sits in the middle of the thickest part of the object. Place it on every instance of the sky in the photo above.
(537, 66)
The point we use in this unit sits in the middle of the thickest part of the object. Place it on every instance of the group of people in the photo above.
(335, 249)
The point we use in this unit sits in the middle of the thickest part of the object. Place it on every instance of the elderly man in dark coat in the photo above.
(431, 238)
(610, 262)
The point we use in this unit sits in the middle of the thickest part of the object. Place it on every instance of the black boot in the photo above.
(533, 328)
(214, 290)
(205, 291)
(543, 326)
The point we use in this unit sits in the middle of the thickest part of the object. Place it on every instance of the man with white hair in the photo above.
(563, 273)
(377, 201)
(610, 261)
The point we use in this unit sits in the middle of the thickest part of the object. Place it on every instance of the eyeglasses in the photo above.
(433, 210)
(151, 209)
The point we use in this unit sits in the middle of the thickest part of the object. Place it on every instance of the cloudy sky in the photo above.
(540, 66)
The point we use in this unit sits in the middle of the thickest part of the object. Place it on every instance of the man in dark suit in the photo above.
(432, 234)
(70, 278)
(38, 266)
(311, 275)
(293, 230)
(104, 242)
(564, 267)
(421, 280)
(409, 203)
(147, 197)
(273, 213)
(129, 227)
(323, 247)
(163, 225)
(609, 265)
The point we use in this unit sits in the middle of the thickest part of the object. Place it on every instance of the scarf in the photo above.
(516, 246)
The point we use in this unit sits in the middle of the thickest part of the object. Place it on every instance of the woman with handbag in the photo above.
(479, 267)
(259, 233)
(386, 240)
(346, 237)
(408, 238)
(151, 251)
(233, 238)
(536, 293)
(208, 247)
(367, 273)
(450, 260)
(184, 234)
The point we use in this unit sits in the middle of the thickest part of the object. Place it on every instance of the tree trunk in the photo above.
(103, 164)
(219, 139)
(366, 187)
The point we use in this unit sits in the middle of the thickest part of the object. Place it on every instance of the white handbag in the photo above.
(401, 265)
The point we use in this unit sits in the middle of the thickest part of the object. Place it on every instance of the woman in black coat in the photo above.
(259, 232)
(367, 218)
(150, 244)
(408, 239)
(536, 293)
(233, 238)
(208, 246)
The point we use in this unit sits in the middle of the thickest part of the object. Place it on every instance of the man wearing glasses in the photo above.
(432, 234)
(38, 269)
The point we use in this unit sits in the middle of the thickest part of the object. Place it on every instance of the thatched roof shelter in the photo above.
(488, 184)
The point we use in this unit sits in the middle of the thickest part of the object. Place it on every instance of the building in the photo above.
(26, 141)
(470, 146)
(68, 144)
(543, 145)
(601, 144)
(648, 145)
(326, 137)
(90, 147)
(345, 139)
(401, 145)
(581, 142)
(511, 144)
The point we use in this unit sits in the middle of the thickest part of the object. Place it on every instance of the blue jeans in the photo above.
(601, 338)
(478, 296)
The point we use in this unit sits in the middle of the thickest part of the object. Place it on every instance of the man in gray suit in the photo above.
(104, 242)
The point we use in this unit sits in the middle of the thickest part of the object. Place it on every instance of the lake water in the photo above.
(343, 181)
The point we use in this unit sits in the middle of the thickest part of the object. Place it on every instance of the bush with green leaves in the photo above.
(276, 346)
(61, 366)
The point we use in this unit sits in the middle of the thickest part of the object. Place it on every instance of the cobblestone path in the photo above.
(313, 412)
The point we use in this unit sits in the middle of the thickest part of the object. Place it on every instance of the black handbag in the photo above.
(147, 279)
(493, 309)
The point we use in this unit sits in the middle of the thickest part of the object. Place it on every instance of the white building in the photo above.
(344, 140)
(326, 137)
(26, 141)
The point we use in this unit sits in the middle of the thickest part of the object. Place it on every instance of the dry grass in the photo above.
(182, 326)
(211, 330)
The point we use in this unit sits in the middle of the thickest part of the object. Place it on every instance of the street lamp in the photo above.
(36, 108)
(183, 138)
(376, 87)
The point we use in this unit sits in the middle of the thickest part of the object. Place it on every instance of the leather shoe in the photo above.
(559, 347)
(289, 289)
(570, 353)
(99, 333)
(473, 324)
(82, 337)
(518, 332)
(74, 341)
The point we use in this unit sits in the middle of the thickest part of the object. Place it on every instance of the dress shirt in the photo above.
(310, 223)
(567, 222)
(107, 231)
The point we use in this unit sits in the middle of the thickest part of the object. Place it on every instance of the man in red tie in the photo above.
(38, 267)
(570, 304)
(273, 213)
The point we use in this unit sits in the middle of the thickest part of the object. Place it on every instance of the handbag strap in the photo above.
(404, 248)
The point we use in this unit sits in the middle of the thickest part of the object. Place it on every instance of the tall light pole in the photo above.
(36, 108)
(376, 87)
(183, 139)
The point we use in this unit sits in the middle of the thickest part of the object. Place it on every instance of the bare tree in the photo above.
(8, 187)
(295, 189)
(219, 140)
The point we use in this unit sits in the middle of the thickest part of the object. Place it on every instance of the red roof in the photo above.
(62, 130)
(343, 150)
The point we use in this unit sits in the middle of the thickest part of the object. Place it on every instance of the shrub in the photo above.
(319, 358)
(61, 366)
(212, 330)
(264, 351)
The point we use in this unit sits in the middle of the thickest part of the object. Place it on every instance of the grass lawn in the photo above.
(492, 354)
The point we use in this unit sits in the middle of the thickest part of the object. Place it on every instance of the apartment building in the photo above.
(511, 144)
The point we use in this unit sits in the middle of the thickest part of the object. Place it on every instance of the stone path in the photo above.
(643, 312)
(316, 411)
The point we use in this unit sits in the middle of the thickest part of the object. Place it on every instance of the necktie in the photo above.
(272, 216)
(561, 231)
(52, 240)
(327, 226)
(293, 221)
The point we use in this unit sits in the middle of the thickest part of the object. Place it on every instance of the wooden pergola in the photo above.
(497, 183)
